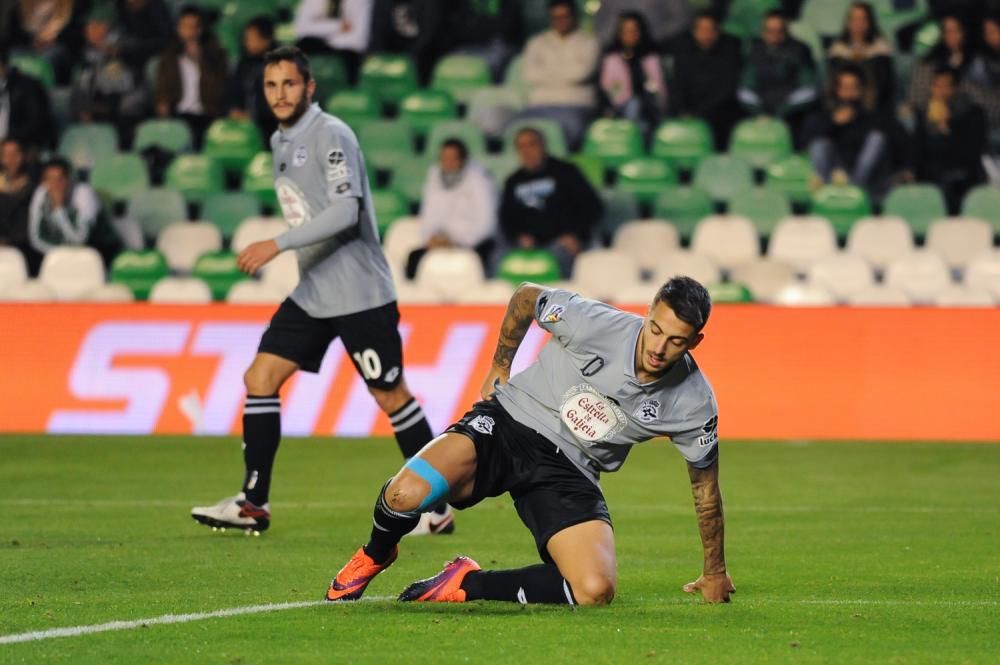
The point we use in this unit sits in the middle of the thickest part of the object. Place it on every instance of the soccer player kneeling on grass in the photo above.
(606, 380)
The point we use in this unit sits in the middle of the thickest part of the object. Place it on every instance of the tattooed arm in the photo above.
(520, 313)
(714, 583)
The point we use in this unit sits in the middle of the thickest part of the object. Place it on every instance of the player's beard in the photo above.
(297, 112)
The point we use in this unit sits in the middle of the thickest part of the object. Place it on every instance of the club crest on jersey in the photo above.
(590, 416)
(300, 156)
(553, 314)
(482, 424)
(648, 411)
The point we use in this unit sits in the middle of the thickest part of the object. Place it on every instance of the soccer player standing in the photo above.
(605, 381)
(345, 289)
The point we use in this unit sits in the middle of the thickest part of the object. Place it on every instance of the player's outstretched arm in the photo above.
(517, 320)
(714, 583)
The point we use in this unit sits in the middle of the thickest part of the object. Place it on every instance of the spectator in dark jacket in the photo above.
(666, 18)
(246, 85)
(547, 203)
(707, 66)
(24, 108)
(954, 50)
(144, 28)
(417, 27)
(861, 44)
(17, 183)
(983, 80)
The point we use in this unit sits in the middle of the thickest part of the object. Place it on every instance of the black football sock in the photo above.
(541, 583)
(388, 529)
(261, 436)
(411, 428)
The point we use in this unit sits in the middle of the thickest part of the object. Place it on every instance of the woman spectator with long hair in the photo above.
(632, 79)
(861, 44)
(954, 50)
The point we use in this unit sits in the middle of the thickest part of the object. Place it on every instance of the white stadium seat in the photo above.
(180, 290)
(402, 237)
(110, 292)
(765, 278)
(880, 240)
(880, 295)
(959, 295)
(31, 290)
(687, 263)
(252, 292)
(726, 239)
(183, 242)
(412, 293)
(254, 229)
(984, 271)
(640, 293)
(13, 270)
(449, 271)
(646, 241)
(841, 274)
(72, 271)
(599, 273)
(804, 295)
(490, 292)
(959, 240)
(921, 275)
(801, 241)
(282, 273)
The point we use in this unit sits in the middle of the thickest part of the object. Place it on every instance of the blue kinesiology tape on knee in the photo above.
(439, 486)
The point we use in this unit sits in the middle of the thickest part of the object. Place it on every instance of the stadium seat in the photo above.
(683, 142)
(404, 236)
(389, 206)
(513, 76)
(683, 207)
(458, 129)
(196, 176)
(258, 179)
(167, 134)
(687, 263)
(723, 176)
(227, 209)
(601, 272)
(729, 293)
(110, 292)
(528, 265)
(984, 272)
(329, 72)
(555, 139)
(282, 273)
(842, 205)
(613, 141)
(386, 143)
(879, 295)
(355, 107)
(252, 292)
(646, 241)
(761, 141)
(423, 109)
(765, 278)
(726, 239)
(218, 269)
(960, 295)
(461, 76)
(922, 275)
(590, 166)
(490, 292)
(645, 177)
(408, 178)
(801, 241)
(492, 108)
(841, 274)
(32, 290)
(983, 202)
(959, 240)
(71, 271)
(389, 77)
(183, 242)
(84, 145)
(804, 295)
(637, 293)
(450, 271)
(35, 66)
(500, 167)
(764, 206)
(155, 208)
(794, 176)
(826, 17)
(13, 269)
(880, 240)
(139, 271)
(919, 205)
(619, 207)
(232, 142)
(256, 229)
(180, 291)
(119, 176)
(412, 293)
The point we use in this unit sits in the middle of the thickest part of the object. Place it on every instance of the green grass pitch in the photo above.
(841, 553)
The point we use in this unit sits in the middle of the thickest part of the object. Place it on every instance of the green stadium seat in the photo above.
(119, 176)
(425, 108)
(764, 206)
(329, 73)
(826, 17)
(761, 141)
(196, 176)
(232, 142)
(513, 77)
(156, 208)
(86, 144)
(808, 36)
(919, 205)
(220, 271)
(408, 178)
(729, 293)
(389, 206)
(529, 265)
(258, 179)
(683, 207)
(551, 131)
(613, 141)
(683, 143)
(461, 76)
(722, 176)
(645, 177)
(619, 207)
(591, 168)
(744, 17)
(355, 107)
(164, 133)
(984, 202)
(139, 271)
(389, 77)
(228, 209)
(500, 166)
(842, 205)
(35, 66)
(386, 143)
(239, 12)
(793, 176)
(459, 129)
(491, 109)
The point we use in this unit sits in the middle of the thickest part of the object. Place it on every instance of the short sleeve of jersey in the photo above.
(699, 446)
(559, 313)
(343, 165)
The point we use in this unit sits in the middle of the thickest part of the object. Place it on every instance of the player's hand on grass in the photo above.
(714, 588)
(495, 377)
(256, 255)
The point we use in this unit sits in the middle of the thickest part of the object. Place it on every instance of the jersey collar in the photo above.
(300, 125)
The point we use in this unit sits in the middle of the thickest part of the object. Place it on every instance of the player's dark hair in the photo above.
(290, 54)
(263, 25)
(60, 163)
(458, 145)
(569, 4)
(689, 300)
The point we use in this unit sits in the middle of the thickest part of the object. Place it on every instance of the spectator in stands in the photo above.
(16, 186)
(846, 142)
(342, 27)
(707, 66)
(780, 75)
(950, 139)
(24, 107)
(861, 44)
(246, 85)
(547, 203)
(108, 89)
(954, 49)
(144, 28)
(493, 30)
(458, 207)
(631, 75)
(191, 77)
(666, 18)
(51, 32)
(983, 80)
(420, 28)
(559, 67)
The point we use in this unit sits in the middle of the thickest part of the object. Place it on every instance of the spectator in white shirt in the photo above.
(342, 27)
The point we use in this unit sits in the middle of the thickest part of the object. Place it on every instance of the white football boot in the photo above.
(234, 512)
(434, 524)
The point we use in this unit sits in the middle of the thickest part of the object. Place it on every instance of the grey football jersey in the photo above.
(317, 161)
(582, 393)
